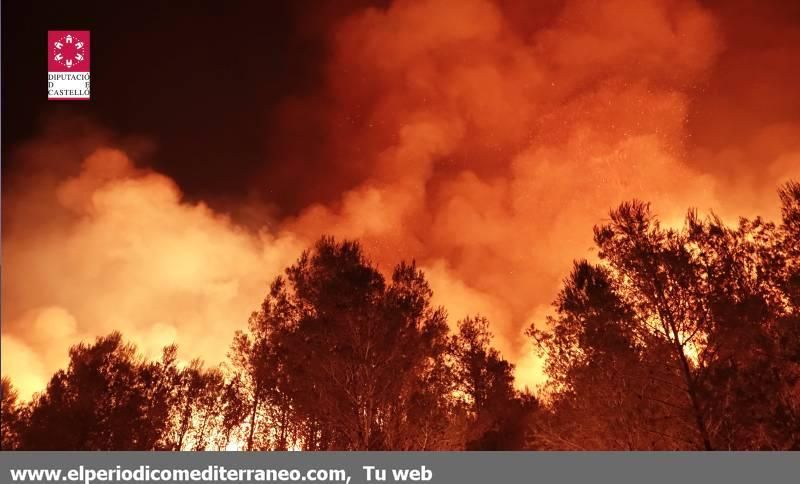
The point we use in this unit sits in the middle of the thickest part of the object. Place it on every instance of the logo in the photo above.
(69, 51)
(68, 73)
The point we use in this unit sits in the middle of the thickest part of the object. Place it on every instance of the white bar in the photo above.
(68, 85)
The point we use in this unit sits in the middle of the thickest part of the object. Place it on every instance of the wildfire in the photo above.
(482, 139)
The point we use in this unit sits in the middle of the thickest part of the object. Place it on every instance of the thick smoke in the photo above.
(483, 139)
(488, 153)
(114, 247)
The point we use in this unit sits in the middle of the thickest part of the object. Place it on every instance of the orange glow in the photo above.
(480, 144)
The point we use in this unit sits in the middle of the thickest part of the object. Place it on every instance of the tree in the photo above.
(674, 339)
(656, 275)
(108, 399)
(350, 353)
(196, 408)
(255, 360)
(497, 414)
(752, 349)
(10, 416)
(610, 386)
(700, 326)
(234, 411)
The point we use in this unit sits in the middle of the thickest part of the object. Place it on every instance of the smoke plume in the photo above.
(483, 139)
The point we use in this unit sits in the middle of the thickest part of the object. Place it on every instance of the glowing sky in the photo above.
(483, 139)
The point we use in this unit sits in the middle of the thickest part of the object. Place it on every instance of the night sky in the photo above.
(481, 138)
(204, 82)
(199, 79)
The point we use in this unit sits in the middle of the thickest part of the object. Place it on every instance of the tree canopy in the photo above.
(672, 338)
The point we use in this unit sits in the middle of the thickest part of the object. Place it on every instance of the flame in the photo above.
(481, 138)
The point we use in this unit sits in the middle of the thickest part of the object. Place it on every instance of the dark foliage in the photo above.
(672, 339)
(679, 339)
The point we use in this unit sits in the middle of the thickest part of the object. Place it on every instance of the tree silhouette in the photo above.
(708, 310)
(10, 416)
(254, 360)
(673, 339)
(347, 351)
(196, 407)
(657, 275)
(611, 386)
(108, 399)
(497, 414)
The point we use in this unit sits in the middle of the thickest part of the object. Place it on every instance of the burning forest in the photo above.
(499, 224)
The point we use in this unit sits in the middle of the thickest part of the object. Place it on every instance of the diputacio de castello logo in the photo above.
(68, 61)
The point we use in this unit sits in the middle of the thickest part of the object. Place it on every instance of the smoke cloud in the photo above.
(116, 248)
(483, 139)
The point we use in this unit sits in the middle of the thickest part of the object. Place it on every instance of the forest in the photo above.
(672, 339)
